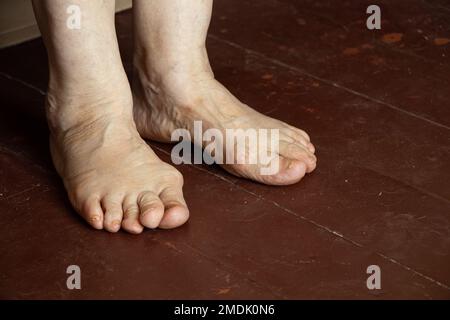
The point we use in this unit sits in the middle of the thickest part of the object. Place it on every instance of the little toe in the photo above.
(176, 211)
(130, 222)
(151, 209)
(288, 137)
(301, 132)
(301, 137)
(112, 206)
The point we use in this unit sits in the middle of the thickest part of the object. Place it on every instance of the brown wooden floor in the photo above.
(376, 104)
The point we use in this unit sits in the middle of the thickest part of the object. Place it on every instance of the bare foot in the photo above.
(169, 100)
(112, 176)
(175, 86)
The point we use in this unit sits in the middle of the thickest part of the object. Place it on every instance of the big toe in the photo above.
(298, 152)
(289, 172)
(176, 211)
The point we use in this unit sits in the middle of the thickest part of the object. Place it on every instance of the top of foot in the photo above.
(178, 101)
(113, 178)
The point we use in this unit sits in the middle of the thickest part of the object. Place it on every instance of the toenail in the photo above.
(291, 165)
(116, 223)
(95, 218)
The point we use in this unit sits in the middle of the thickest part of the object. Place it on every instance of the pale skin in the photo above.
(98, 122)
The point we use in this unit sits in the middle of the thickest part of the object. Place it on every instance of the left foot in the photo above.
(175, 100)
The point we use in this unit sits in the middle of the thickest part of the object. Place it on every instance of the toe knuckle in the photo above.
(175, 176)
(147, 199)
(131, 210)
(78, 193)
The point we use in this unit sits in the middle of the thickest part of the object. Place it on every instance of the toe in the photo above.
(300, 132)
(306, 144)
(296, 132)
(112, 206)
(290, 172)
(176, 211)
(130, 220)
(151, 209)
(92, 212)
(298, 152)
(311, 148)
(301, 137)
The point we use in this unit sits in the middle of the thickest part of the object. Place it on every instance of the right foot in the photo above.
(112, 176)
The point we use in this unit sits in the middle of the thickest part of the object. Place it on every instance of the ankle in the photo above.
(174, 67)
(180, 82)
(68, 110)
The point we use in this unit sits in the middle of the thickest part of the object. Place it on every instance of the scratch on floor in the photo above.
(222, 291)
(21, 192)
(224, 266)
(26, 84)
(420, 274)
(264, 287)
(253, 219)
(23, 156)
(417, 188)
(172, 246)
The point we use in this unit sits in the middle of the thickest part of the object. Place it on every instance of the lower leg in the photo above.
(82, 62)
(175, 86)
(108, 171)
